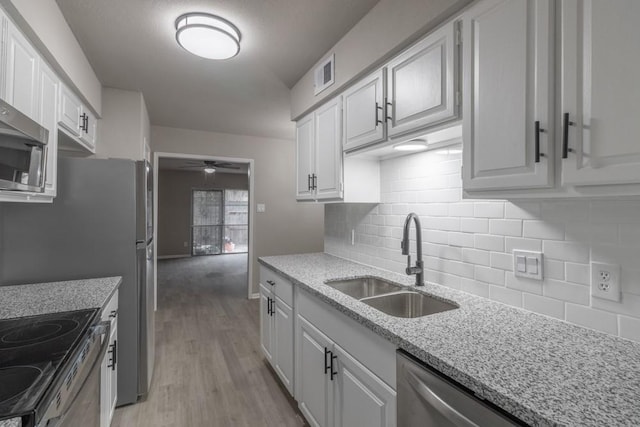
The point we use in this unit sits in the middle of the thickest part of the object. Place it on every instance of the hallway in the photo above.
(209, 369)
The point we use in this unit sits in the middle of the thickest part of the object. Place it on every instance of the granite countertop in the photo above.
(55, 297)
(544, 371)
(13, 422)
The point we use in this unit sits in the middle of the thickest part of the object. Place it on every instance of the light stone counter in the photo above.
(544, 371)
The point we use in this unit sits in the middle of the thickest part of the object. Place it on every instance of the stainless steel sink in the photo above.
(408, 304)
(364, 287)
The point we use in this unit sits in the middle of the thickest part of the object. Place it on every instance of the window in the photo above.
(220, 222)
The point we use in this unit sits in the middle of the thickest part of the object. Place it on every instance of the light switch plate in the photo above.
(261, 207)
(527, 264)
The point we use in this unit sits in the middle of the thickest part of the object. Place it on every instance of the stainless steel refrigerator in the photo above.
(100, 224)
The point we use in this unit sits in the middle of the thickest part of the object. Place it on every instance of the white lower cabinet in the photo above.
(277, 325)
(345, 373)
(109, 368)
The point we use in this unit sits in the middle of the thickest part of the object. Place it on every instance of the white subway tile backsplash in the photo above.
(474, 287)
(489, 242)
(566, 291)
(578, 273)
(553, 269)
(523, 284)
(461, 239)
(506, 296)
(630, 328)
(489, 275)
(474, 225)
(489, 209)
(475, 256)
(468, 244)
(518, 243)
(567, 251)
(506, 227)
(542, 305)
(543, 230)
(522, 210)
(590, 318)
(502, 261)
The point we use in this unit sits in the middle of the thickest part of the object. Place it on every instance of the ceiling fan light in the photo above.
(209, 169)
(207, 36)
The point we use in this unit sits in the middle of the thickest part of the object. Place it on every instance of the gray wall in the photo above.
(287, 226)
(388, 27)
(174, 204)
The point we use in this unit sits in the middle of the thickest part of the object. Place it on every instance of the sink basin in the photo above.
(408, 304)
(364, 287)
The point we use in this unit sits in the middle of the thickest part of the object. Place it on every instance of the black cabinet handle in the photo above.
(565, 135)
(113, 314)
(271, 282)
(309, 182)
(538, 131)
(86, 124)
(269, 306)
(333, 373)
(378, 121)
(114, 355)
(386, 111)
(326, 364)
(83, 125)
(315, 181)
(271, 310)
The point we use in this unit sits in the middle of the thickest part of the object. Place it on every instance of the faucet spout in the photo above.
(418, 269)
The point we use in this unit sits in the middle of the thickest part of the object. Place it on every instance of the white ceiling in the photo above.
(131, 45)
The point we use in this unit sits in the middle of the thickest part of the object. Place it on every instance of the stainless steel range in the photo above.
(45, 362)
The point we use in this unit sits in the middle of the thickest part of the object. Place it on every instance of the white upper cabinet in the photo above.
(363, 112)
(600, 97)
(21, 72)
(49, 89)
(421, 89)
(78, 122)
(508, 98)
(328, 176)
(70, 107)
(305, 145)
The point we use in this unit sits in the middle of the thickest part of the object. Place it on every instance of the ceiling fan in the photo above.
(209, 166)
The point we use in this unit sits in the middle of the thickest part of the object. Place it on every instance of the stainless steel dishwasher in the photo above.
(426, 398)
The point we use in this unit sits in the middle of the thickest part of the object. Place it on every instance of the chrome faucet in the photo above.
(418, 269)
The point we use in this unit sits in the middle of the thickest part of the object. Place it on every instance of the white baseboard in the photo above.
(173, 256)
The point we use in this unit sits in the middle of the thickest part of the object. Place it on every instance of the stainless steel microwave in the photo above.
(23, 151)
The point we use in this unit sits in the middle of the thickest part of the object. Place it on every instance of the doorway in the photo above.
(203, 208)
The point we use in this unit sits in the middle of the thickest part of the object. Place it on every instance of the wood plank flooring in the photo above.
(209, 368)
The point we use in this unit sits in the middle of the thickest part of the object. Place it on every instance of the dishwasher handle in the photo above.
(436, 402)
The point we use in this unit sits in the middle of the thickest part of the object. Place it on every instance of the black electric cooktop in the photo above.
(31, 350)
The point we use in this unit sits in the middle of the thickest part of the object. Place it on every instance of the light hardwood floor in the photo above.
(209, 369)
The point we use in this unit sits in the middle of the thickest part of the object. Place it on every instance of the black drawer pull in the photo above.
(538, 131)
(271, 282)
(565, 135)
(378, 121)
(326, 364)
(333, 373)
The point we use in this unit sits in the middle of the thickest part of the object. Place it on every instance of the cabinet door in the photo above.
(109, 379)
(363, 112)
(21, 73)
(266, 324)
(283, 342)
(49, 87)
(507, 85)
(313, 385)
(305, 157)
(600, 91)
(361, 398)
(421, 83)
(328, 152)
(70, 108)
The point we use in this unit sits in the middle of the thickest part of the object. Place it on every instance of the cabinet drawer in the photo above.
(280, 286)
(110, 310)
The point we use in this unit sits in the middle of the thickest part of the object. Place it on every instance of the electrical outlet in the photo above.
(605, 281)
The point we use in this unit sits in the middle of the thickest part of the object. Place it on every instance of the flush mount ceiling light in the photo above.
(413, 145)
(207, 36)
(209, 170)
